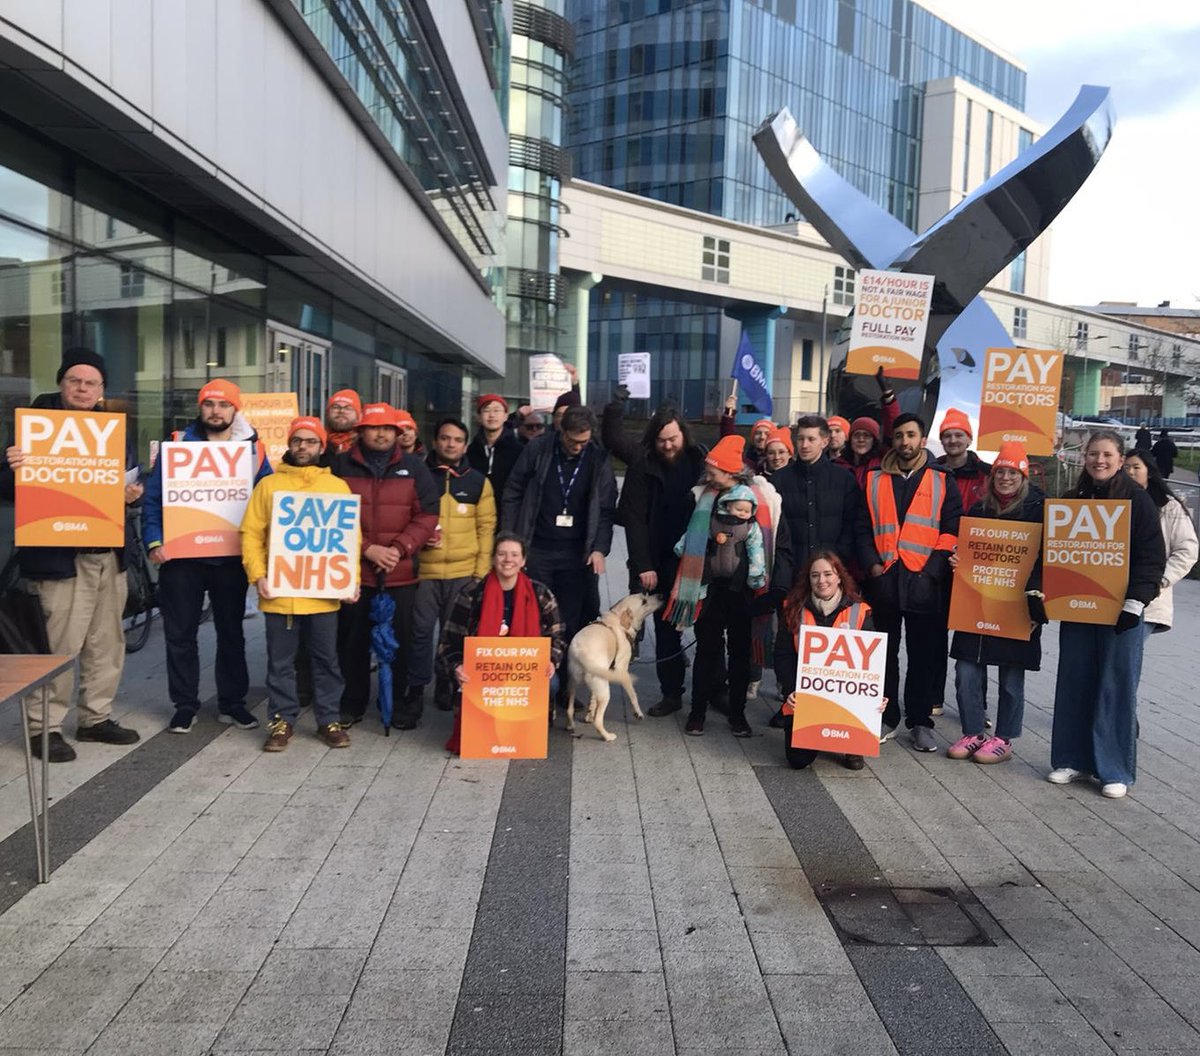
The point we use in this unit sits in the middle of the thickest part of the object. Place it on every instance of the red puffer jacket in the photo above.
(399, 508)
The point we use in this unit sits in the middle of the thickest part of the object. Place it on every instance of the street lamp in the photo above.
(1130, 350)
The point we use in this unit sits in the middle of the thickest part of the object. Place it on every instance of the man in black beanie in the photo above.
(82, 589)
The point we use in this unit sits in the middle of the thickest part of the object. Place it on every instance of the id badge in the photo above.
(564, 520)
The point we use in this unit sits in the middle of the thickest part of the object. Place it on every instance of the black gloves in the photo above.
(881, 381)
(1037, 609)
(1126, 621)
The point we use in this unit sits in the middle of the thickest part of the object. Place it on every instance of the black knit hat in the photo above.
(76, 357)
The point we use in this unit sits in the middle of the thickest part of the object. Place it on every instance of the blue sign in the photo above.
(751, 377)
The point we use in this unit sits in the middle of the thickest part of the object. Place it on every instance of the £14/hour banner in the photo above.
(995, 559)
(70, 490)
(1019, 399)
(313, 548)
(839, 688)
(271, 413)
(205, 490)
(506, 698)
(891, 315)
(1085, 559)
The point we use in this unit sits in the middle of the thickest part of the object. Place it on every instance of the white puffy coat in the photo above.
(1180, 538)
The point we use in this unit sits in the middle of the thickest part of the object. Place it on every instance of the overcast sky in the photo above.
(1133, 231)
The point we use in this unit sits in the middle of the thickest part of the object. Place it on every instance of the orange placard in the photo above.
(891, 315)
(506, 698)
(1019, 399)
(70, 490)
(205, 491)
(271, 413)
(839, 687)
(995, 558)
(1085, 559)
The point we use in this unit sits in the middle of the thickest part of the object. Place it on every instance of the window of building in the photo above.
(1020, 322)
(1135, 346)
(845, 25)
(1081, 335)
(987, 145)
(966, 166)
(133, 281)
(1176, 355)
(806, 359)
(843, 285)
(58, 287)
(715, 264)
(1016, 274)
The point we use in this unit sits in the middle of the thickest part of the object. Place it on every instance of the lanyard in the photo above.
(566, 487)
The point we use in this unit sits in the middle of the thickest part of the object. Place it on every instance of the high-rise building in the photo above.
(297, 194)
(665, 97)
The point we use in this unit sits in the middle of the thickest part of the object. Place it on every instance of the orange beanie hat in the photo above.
(346, 396)
(726, 455)
(762, 421)
(1012, 456)
(313, 425)
(403, 418)
(955, 419)
(221, 389)
(781, 436)
(841, 423)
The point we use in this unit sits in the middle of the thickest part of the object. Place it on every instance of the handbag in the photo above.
(22, 623)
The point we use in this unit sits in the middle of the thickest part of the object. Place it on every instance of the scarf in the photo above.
(340, 443)
(527, 614)
(683, 606)
(890, 463)
(762, 637)
(826, 607)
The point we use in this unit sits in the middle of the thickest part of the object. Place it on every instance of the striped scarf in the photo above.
(761, 636)
(683, 606)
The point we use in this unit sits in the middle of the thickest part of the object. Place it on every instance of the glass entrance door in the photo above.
(299, 363)
(391, 384)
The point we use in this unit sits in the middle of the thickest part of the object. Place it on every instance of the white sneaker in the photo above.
(752, 690)
(888, 733)
(936, 711)
(1064, 775)
(1114, 790)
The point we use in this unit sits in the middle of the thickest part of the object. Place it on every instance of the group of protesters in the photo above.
(830, 522)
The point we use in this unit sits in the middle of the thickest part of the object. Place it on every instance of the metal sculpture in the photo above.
(964, 250)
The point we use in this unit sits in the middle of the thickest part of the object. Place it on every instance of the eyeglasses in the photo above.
(533, 427)
(304, 441)
(341, 407)
(83, 383)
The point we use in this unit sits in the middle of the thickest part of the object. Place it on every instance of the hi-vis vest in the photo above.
(913, 541)
(854, 616)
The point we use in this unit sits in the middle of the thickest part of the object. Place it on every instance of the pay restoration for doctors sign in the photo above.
(1085, 559)
(70, 489)
(839, 690)
(206, 488)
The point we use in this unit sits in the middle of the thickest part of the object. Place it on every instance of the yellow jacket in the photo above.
(467, 517)
(256, 531)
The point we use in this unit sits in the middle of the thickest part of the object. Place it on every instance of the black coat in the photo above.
(640, 510)
(1007, 652)
(1147, 550)
(824, 510)
(505, 452)
(523, 494)
(58, 562)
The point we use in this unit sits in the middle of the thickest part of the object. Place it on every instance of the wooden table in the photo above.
(19, 677)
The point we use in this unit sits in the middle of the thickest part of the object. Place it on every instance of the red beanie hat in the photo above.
(955, 419)
(727, 454)
(347, 396)
(221, 389)
(490, 397)
(865, 425)
(838, 420)
(1012, 456)
(781, 436)
(312, 424)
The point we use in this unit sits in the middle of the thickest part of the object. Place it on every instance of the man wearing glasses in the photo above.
(532, 426)
(495, 450)
(82, 589)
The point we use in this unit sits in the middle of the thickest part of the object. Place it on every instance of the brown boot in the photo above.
(279, 736)
(334, 736)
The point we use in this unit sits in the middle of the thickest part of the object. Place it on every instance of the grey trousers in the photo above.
(317, 635)
(435, 597)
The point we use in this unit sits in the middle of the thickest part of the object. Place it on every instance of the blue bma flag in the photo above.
(751, 377)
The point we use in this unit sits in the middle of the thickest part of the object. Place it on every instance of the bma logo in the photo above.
(503, 749)
(983, 625)
(1079, 603)
(842, 734)
(755, 371)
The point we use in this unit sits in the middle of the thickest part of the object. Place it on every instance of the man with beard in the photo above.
(656, 502)
(915, 509)
(183, 581)
(495, 449)
(341, 416)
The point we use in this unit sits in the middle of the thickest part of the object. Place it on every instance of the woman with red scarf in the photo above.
(505, 602)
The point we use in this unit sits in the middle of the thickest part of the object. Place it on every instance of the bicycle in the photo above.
(142, 578)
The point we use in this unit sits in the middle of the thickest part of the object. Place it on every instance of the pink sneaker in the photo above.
(966, 746)
(993, 750)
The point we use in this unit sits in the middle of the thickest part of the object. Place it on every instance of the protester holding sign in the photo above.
(301, 623)
(505, 603)
(1095, 700)
(81, 587)
(825, 595)
(1009, 496)
(183, 581)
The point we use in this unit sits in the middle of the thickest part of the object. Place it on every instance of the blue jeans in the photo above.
(1095, 701)
(970, 684)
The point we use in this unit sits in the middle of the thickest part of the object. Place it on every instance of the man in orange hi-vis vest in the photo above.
(914, 509)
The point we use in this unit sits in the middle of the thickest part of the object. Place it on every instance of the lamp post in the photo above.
(821, 365)
(1131, 351)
